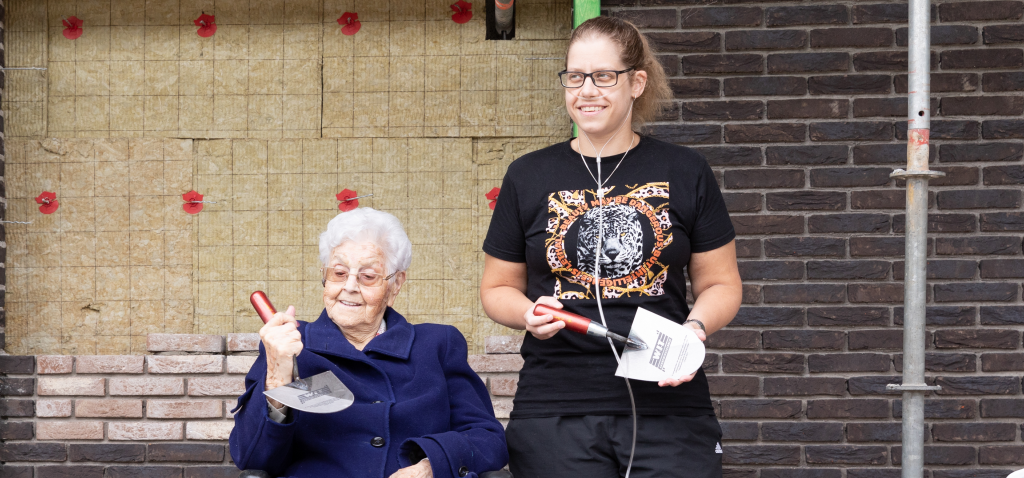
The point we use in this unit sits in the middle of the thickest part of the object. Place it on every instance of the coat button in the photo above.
(377, 442)
(376, 401)
(463, 471)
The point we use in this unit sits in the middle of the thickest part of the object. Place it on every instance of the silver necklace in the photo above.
(600, 184)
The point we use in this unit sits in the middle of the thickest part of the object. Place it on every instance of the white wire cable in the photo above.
(597, 266)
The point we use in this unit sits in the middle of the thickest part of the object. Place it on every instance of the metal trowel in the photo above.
(321, 393)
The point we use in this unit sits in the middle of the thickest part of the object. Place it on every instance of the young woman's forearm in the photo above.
(717, 305)
(506, 306)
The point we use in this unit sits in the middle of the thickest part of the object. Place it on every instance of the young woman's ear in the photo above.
(639, 83)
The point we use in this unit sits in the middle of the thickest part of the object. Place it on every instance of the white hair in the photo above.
(368, 224)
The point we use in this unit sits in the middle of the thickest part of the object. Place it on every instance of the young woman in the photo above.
(630, 213)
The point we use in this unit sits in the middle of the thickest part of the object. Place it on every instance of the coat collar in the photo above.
(323, 336)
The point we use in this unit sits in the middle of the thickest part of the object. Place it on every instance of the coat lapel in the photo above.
(323, 336)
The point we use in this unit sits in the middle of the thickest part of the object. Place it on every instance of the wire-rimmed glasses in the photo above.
(600, 78)
(340, 274)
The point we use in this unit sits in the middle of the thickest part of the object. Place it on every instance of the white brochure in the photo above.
(673, 350)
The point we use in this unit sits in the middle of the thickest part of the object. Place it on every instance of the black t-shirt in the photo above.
(546, 217)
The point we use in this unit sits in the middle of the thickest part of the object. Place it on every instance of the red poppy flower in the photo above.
(206, 24)
(48, 201)
(74, 28)
(192, 204)
(493, 196)
(349, 23)
(348, 203)
(463, 11)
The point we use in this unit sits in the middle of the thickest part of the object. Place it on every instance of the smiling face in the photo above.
(600, 111)
(359, 308)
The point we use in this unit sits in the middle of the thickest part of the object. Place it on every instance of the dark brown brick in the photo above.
(851, 131)
(802, 431)
(211, 472)
(803, 340)
(687, 133)
(848, 270)
(980, 10)
(759, 408)
(996, 34)
(874, 432)
(989, 151)
(747, 431)
(771, 270)
(768, 317)
(764, 86)
(987, 385)
(943, 35)
(720, 17)
(847, 223)
(806, 15)
(14, 387)
(872, 385)
(1002, 269)
(977, 338)
(880, 13)
(17, 430)
(1002, 408)
(1002, 221)
(1012, 362)
(978, 245)
(755, 178)
(742, 202)
(684, 42)
(807, 62)
(849, 177)
(765, 40)
(761, 455)
(806, 201)
(722, 64)
(189, 452)
(17, 408)
(33, 452)
(939, 270)
(1002, 315)
(808, 108)
(804, 246)
(1002, 129)
(650, 18)
(1003, 175)
(11, 471)
(762, 224)
(975, 292)
(881, 61)
(801, 473)
(17, 364)
(763, 363)
(104, 452)
(979, 199)
(983, 106)
(961, 409)
(940, 362)
(1003, 81)
(804, 386)
(804, 293)
(765, 133)
(805, 155)
(694, 87)
(734, 339)
(941, 455)
(748, 248)
(1001, 455)
(847, 408)
(851, 37)
(77, 471)
(846, 454)
(143, 471)
(847, 316)
(721, 110)
(987, 58)
(730, 155)
(876, 246)
(894, 199)
(891, 339)
(849, 362)
(867, 107)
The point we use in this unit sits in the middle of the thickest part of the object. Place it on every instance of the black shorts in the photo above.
(598, 447)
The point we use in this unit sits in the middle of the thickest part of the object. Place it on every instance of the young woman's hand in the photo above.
(543, 326)
(675, 382)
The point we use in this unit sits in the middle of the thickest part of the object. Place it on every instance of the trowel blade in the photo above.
(326, 394)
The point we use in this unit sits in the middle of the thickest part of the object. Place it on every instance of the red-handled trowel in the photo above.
(321, 393)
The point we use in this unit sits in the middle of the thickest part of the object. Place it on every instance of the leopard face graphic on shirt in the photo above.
(633, 226)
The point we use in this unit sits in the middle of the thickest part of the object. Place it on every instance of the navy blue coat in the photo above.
(412, 387)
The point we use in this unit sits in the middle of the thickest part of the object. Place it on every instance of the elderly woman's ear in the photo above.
(395, 287)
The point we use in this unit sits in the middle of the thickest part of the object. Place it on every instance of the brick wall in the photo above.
(164, 415)
(3, 190)
(800, 107)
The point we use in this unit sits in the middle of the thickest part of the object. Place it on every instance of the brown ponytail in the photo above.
(635, 53)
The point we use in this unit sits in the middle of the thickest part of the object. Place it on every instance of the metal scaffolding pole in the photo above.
(916, 175)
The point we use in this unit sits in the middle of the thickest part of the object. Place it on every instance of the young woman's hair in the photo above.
(635, 53)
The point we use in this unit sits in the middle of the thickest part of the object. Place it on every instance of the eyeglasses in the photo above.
(600, 78)
(340, 274)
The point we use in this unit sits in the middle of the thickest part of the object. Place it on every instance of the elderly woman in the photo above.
(419, 410)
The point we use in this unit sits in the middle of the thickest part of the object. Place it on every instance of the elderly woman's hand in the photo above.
(283, 342)
(419, 470)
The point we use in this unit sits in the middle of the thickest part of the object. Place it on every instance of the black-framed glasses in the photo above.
(600, 78)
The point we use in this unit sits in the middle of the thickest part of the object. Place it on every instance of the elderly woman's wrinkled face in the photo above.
(356, 293)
